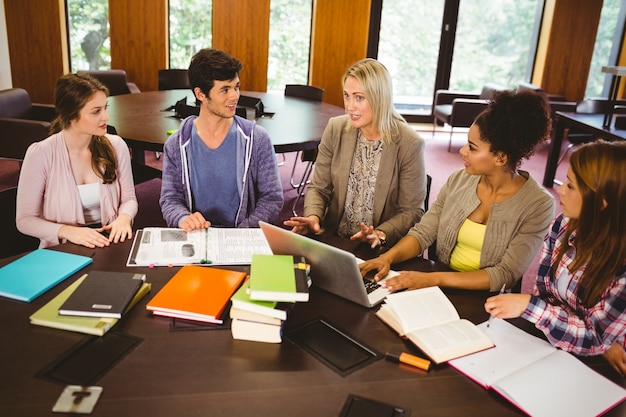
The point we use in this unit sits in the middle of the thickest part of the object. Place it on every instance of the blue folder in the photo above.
(28, 277)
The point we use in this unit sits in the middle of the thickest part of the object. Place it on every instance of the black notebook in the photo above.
(103, 294)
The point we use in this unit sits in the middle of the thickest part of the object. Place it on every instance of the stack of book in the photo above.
(93, 303)
(261, 305)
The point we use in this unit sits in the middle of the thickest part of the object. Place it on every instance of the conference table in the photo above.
(590, 123)
(143, 119)
(201, 371)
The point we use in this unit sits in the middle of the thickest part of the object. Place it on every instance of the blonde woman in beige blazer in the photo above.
(369, 182)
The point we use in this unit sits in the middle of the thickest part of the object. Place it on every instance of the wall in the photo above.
(566, 46)
(37, 40)
(138, 39)
(5, 65)
(242, 29)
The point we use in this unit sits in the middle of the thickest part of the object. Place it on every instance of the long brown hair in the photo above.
(600, 171)
(71, 94)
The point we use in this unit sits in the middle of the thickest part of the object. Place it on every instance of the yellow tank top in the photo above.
(469, 244)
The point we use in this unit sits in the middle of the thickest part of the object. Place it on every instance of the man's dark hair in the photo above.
(208, 65)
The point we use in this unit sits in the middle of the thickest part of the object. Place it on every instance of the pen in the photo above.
(408, 359)
(490, 315)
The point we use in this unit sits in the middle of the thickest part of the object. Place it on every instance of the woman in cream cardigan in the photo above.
(77, 185)
(490, 218)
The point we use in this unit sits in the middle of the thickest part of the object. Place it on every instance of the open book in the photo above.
(536, 377)
(159, 246)
(428, 319)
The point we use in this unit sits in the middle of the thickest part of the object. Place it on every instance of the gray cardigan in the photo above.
(515, 228)
(400, 185)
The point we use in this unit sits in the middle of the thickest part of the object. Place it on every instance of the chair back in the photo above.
(172, 79)
(16, 242)
(114, 80)
(593, 106)
(524, 86)
(310, 92)
(489, 89)
(15, 103)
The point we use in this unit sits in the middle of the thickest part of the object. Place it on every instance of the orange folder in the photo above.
(197, 293)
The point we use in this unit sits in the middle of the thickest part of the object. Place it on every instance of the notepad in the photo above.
(28, 277)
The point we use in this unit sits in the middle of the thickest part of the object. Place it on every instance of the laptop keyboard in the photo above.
(370, 285)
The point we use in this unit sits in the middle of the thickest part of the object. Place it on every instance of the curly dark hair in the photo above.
(208, 65)
(514, 123)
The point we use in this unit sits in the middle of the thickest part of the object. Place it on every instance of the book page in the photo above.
(450, 340)
(560, 385)
(235, 246)
(416, 309)
(165, 246)
(515, 349)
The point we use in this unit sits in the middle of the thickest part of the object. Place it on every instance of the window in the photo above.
(190, 30)
(483, 41)
(289, 43)
(89, 35)
(495, 42)
(409, 48)
(605, 50)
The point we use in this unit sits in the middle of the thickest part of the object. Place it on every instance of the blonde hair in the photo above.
(378, 89)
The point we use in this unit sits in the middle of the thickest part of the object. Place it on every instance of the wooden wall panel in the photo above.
(340, 33)
(37, 39)
(241, 28)
(566, 46)
(138, 32)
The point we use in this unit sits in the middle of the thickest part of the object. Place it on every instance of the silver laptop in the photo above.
(332, 269)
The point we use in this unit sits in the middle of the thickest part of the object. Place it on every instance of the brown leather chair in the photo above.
(115, 80)
(22, 122)
(173, 79)
(459, 109)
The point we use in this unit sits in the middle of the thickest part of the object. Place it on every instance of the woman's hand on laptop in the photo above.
(304, 225)
(380, 264)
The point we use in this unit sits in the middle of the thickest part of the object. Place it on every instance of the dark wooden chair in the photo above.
(115, 80)
(173, 79)
(459, 109)
(14, 241)
(313, 93)
(22, 122)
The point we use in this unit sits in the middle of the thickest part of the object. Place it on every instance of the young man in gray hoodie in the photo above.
(218, 168)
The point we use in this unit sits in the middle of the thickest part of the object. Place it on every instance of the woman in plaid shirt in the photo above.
(580, 297)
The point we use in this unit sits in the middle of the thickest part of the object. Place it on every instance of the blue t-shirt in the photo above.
(213, 177)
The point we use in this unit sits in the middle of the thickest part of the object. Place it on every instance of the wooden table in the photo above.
(293, 123)
(591, 123)
(207, 373)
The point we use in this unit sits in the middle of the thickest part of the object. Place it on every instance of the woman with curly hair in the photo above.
(77, 185)
(580, 297)
(489, 218)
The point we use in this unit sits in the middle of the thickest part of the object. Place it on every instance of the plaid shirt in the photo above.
(568, 324)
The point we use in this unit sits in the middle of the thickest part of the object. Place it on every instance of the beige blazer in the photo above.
(400, 186)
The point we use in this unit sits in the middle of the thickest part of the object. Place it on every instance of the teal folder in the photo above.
(28, 277)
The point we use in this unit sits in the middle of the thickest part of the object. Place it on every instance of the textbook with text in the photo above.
(428, 319)
(159, 246)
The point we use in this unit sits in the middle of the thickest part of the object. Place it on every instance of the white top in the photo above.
(90, 199)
